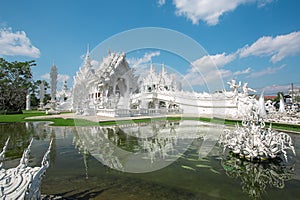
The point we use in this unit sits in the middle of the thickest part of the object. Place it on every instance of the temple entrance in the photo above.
(121, 87)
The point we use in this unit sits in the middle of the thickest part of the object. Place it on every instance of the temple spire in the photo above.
(151, 68)
(87, 61)
(163, 72)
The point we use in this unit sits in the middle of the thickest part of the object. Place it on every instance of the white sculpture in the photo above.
(28, 101)
(247, 89)
(42, 95)
(23, 182)
(262, 107)
(254, 142)
(53, 82)
(64, 98)
(2, 154)
(281, 105)
(53, 87)
(270, 108)
(233, 86)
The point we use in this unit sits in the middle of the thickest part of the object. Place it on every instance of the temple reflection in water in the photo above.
(145, 147)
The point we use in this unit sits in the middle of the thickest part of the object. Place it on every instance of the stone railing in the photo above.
(136, 112)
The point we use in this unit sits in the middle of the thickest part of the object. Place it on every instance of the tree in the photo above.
(278, 96)
(35, 92)
(15, 83)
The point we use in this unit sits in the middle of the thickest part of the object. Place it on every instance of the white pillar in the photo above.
(28, 102)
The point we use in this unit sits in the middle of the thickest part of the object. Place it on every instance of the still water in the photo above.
(157, 160)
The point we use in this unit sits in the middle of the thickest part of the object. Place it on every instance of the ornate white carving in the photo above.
(23, 182)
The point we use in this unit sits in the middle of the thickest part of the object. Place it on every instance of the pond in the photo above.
(156, 160)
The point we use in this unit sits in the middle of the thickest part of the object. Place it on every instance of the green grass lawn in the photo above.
(12, 118)
(277, 126)
(20, 117)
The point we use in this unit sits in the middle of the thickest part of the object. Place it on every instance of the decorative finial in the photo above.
(163, 69)
(151, 67)
(87, 61)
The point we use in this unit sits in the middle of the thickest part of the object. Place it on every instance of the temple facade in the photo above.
(105, 87)
(112, 89)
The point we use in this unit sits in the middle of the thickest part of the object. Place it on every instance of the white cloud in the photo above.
(262, 3)
(210, 11)
(206, 63)
(278, 47)
(269, 70)
(161, 2)
(46, 76)
(246, 71)
(16, 44)
(273, 89)
(207, 69)
(60, 77)
(135, 62)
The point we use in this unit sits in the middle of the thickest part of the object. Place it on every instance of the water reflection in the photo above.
(132, 147)
(257, 176)
(145, 147)
(20, 135)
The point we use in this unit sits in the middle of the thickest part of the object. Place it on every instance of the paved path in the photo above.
(97, 118)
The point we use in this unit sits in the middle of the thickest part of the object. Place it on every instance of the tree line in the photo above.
(16, 83)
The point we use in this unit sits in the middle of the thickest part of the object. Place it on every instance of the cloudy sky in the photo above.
(257, 41)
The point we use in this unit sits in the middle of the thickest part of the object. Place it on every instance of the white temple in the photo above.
(113, 89)
(105, 87)
(64, 98)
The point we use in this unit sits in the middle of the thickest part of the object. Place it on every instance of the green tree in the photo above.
(278, 96)
(15, 84)
(35, 92)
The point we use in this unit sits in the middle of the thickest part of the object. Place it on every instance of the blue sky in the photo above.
(257, 41)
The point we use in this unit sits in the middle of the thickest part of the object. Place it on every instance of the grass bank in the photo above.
(20, 117)
(14, 118)
(276, 126)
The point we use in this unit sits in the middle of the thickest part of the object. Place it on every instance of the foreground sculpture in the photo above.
(253, 142)
(23, 182)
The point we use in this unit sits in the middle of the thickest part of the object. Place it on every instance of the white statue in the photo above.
(281, 105)
(262, 107)
(28, 101)
(233, 86)
(53, 82)
(247, 89)
(53, 87)
(42, 95)
(253, 142)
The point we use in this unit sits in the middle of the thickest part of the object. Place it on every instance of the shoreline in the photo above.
(112, 120)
